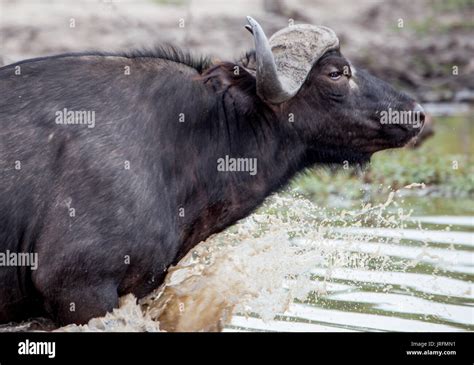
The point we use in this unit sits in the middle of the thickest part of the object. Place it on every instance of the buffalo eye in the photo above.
(335, 75)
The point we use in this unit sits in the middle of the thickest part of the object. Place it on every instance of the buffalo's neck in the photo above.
(255, 157)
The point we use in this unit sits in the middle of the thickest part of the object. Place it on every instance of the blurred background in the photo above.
(423, 47)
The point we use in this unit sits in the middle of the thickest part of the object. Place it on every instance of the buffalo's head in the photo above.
(340, 111)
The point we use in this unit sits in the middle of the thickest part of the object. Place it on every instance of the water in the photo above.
(329, 273)
(294, 266)
(425, 284)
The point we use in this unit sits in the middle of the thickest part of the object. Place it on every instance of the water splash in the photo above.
(263, 264)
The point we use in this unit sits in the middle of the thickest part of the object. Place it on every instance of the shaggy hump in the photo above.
(164, 52)
(171, 53)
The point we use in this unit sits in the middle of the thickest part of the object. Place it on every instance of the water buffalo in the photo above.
(113, 166)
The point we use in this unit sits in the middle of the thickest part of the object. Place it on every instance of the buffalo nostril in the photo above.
(419, 114)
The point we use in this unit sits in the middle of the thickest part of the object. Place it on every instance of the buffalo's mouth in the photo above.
(400, 135)
(387, 139)
(379, 145)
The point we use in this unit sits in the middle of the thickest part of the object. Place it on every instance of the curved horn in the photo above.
(284, 61)
(269, 85)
